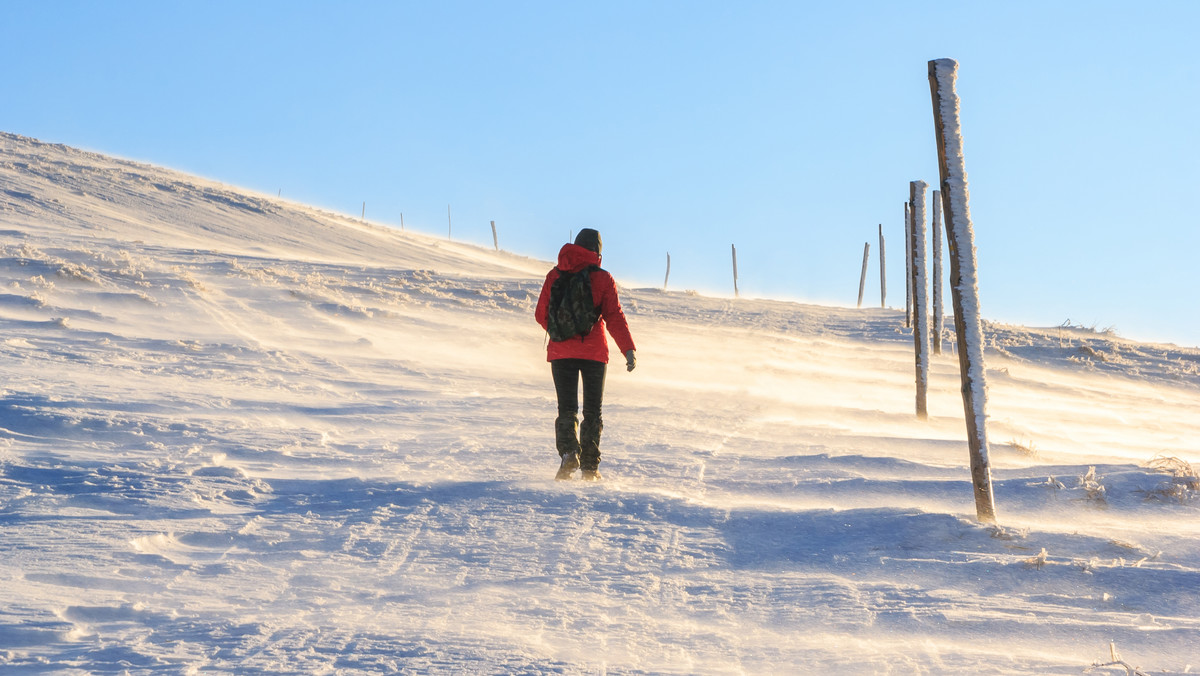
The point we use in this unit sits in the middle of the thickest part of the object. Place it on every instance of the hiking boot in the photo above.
(589, 440)
(570, 463)
(591, 475)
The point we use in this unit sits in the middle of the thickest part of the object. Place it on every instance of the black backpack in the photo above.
(571, 311)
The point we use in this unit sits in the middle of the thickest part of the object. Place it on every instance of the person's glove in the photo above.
(630, 360)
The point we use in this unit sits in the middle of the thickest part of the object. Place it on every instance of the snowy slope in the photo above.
(239, 434)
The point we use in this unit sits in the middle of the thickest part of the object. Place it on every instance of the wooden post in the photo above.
(364, 211)
(668, 277)
(495, 238)
(936, 226)
(964, 283)
(401, 220)
(735, 288)
(449, 223)
(907, 265)
(882, 271)
(862, 280)
(920, 299)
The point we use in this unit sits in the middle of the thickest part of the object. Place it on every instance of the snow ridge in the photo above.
(239, 434)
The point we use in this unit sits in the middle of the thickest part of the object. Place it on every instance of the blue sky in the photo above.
(790, 129)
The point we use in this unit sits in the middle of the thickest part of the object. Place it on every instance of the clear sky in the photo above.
(791, 129)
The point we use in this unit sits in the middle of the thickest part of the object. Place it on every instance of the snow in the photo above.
(238, 434)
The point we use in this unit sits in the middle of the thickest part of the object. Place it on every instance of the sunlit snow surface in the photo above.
(244, 435)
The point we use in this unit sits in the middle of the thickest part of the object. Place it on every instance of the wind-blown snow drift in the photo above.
(240, 434)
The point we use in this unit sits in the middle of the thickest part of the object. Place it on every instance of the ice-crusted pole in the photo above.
(907, 265)
(936, 226)
(920, 285)
(964, 286)
(733, 247)
(862, 280)
(882, 271)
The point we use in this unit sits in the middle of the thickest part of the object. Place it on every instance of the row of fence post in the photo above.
(449, 225)
(951, 201)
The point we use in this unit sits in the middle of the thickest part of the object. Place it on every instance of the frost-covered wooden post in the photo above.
(735, 289)
(495, 237)
(907, 265)
(936, 226)
(920, 303)
(862, 280)
(667, 278)
(882, 271)
(964, 284)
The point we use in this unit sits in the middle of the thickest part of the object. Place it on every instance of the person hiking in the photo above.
(581, 356)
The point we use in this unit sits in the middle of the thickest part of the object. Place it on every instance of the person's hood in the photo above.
(573, 258)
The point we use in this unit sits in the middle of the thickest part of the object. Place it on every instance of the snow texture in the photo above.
(243, 435)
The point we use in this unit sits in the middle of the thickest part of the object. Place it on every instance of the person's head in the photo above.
(590, 240)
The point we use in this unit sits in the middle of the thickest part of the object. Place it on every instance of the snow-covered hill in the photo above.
(238, 434)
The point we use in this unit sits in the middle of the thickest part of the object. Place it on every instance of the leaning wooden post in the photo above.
(735, 289)
(495, 237)
(449, 223)
(907, 265)
(862, 280)
(364, 212)
(668, 275)
(920, 299)
(882, 271)
(964, 283)
(936, 226)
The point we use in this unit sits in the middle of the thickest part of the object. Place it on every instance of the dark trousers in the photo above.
(567, 374)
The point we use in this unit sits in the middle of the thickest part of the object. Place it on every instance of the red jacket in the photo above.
(594, 345)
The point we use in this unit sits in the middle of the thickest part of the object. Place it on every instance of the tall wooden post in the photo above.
(364, 211)
(882, 271)
(449, 223)
(920, 299)
(862, 280)
(936, 226)
(964, 283)
(401, 220)
(495, 237)
(667, 278)
(735, 289)
(907, 265)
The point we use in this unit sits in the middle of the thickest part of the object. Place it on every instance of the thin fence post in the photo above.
(495, 237)
(668, 277)
(920, 299)
(964, 283)
(449, 223)
(938, 321)
(364, 211)
(401, 220)
(862, 280)
(735, 275)
(882, 271)
(907, 265)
